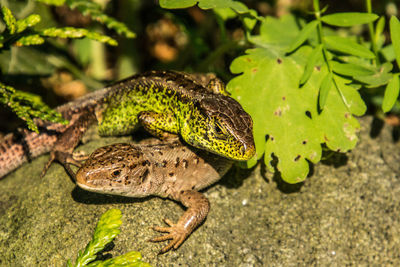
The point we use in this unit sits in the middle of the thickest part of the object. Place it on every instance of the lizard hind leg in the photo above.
(198, 207)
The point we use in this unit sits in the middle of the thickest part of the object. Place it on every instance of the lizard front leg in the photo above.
(67, 141)
(198, 207)
(163, 126)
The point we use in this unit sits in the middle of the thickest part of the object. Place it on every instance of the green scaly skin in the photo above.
(203, 115)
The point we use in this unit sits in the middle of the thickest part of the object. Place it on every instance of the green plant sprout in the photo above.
(301, 84)
(106, 230)
(28, 106)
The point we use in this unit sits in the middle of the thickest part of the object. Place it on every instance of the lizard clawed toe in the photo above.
(176, 233)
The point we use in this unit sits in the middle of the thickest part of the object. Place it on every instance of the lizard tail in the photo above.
(18, 148)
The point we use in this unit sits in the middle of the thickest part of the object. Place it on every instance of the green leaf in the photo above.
(391, 93)
(29, 21)
(204, 4)
(66, 32)
(336, 120)
(9, 20)
(348, 46)
(70, 32)
(350, 96)
(174, 4)
(326, 86)
(52, 2)
(380, 26)
(28, 107)
(349, 19)
(395, 36)
(272, 36)
(312, 60)
(106, 230)
(237, 6)
(101, 38)
(287, 122)
(225, 13)
(34, 39)
(350, 69)
(131, 259)
(388, 53)
(303, 35)
(380, 77)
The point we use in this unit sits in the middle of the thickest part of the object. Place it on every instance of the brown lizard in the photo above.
(168, 170)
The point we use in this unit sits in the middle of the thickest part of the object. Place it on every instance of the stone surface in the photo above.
(345, 213)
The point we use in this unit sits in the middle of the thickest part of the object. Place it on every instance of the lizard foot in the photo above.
(66, 159)
(176, 233)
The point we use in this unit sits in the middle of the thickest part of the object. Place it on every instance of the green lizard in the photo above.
(197, 108)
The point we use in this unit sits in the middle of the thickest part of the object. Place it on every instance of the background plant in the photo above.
(301, 77)
(18, 33)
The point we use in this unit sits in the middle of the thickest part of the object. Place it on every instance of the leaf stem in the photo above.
(372, 34)
(321, 40)
(317, 13)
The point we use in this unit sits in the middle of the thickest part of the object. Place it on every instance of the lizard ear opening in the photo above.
(218, 130)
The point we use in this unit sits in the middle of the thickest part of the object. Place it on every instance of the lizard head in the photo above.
(117, 169)
(222, 127)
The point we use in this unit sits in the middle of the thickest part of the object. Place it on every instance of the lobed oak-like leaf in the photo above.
(287, 122)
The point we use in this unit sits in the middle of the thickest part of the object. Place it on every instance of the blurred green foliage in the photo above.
(22, 33)
(304, 77)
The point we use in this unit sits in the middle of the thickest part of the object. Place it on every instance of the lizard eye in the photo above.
(116, 173)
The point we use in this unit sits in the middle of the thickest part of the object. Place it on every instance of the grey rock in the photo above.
(345, 213)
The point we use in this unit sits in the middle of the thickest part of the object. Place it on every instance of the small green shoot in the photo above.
(106, 230)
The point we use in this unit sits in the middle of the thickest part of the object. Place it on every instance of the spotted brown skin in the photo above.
(168, 170)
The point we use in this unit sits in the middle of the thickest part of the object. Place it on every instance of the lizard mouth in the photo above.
(81, 180)
(247, 152)
(87, 188)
